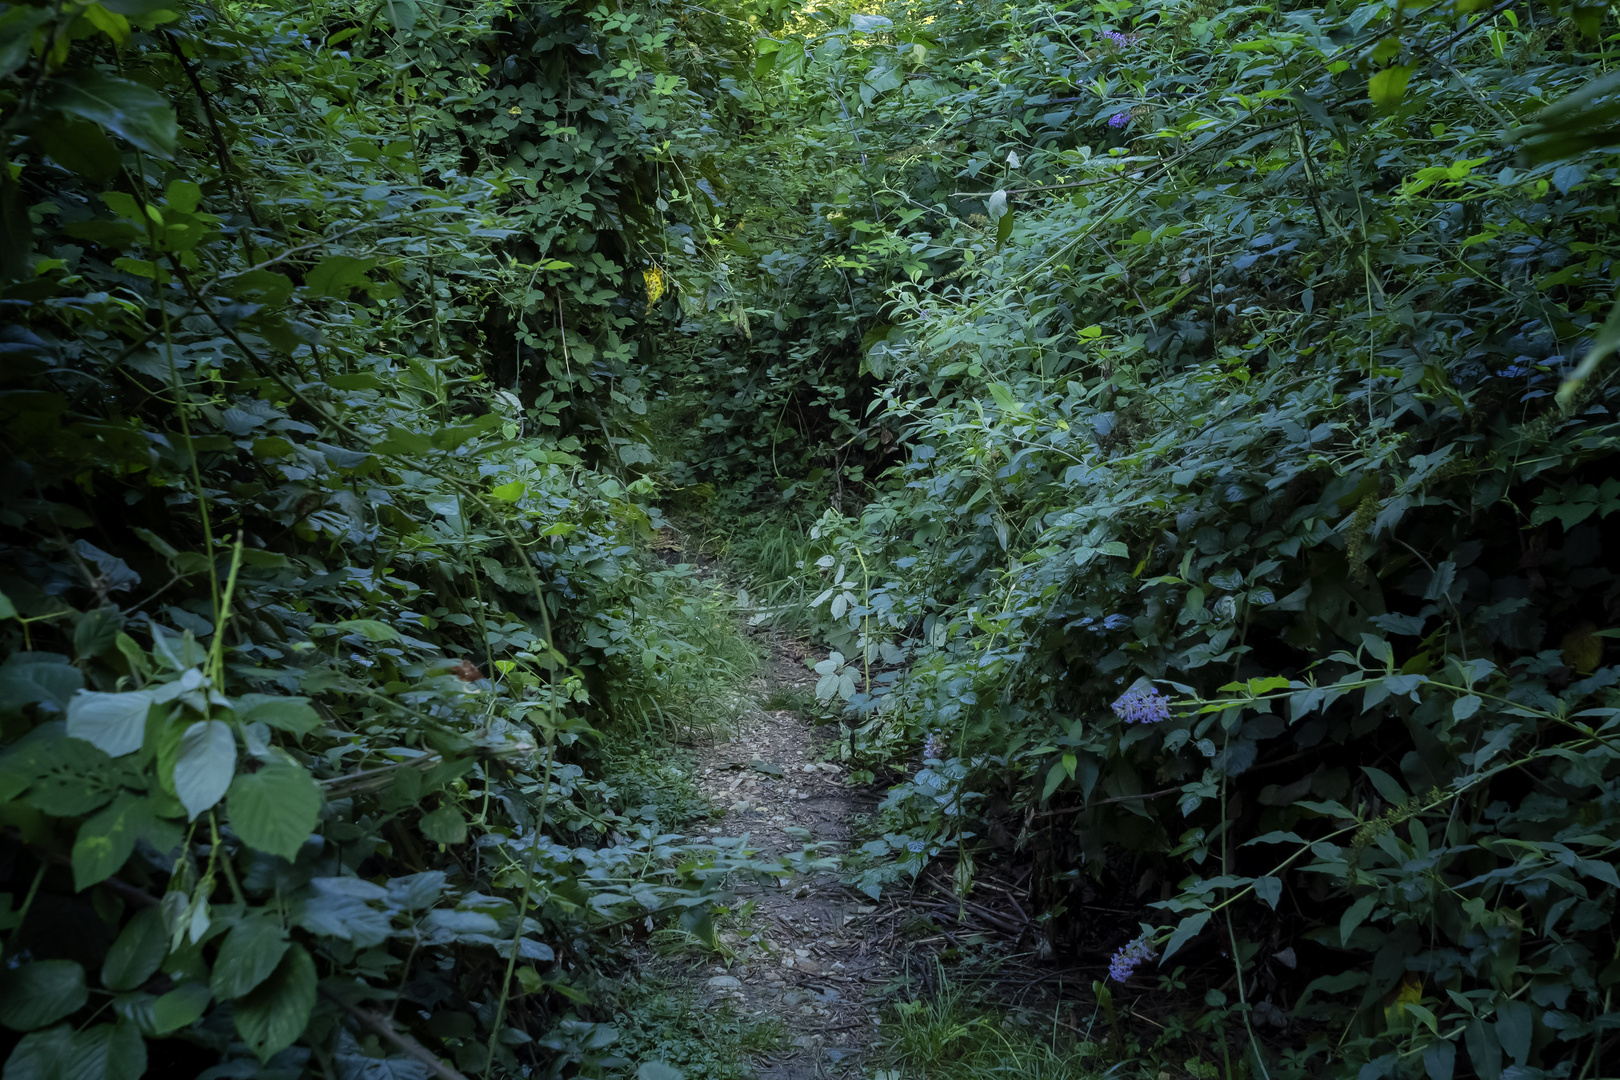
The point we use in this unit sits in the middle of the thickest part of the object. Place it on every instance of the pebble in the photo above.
(724, 982)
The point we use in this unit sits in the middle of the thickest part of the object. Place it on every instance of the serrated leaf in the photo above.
(137, 953)
(274, 1015)
(113, 723)
(291, 714)
(137, 114)
(275, 809)
(39, 994)
(248, 957)
(106, 841)
(180, 1007)
(445, 826)
(204, 765)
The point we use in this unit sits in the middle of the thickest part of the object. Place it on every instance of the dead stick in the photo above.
(408, 1045)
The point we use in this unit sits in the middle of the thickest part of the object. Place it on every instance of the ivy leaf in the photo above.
(250, 954)
(113, 723)
(138, 952)
(39, 994)
(204, 766)
(135, 113)
(106, 841)
(271, 1018)
(275, 809)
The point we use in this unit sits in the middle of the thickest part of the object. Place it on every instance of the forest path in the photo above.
(808, 952)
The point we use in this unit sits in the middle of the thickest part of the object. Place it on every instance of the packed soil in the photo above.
(812, 955)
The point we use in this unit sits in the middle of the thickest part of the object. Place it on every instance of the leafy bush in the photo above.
(1246, 565)
(310, 640)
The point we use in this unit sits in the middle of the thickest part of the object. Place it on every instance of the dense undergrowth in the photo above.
(1240, 554)
(1181, 422)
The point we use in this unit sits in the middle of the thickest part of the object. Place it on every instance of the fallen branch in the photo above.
(402, 1040)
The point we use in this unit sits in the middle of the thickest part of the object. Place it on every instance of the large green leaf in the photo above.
(445, 826)
(41, 993)
(135, 113)
(113, 723)
(292, 714)
(275, 809)
(251, 952)
(180, 1007)
(38, 679)
(106, 841)
(106, 1052)
(204, 766)
(271, 1018)
(137, 953)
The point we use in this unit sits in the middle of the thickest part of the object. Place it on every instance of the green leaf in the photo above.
(291, 714)
(180, 1007)
(1355, 915)
(1514, 1027)
(271, 1018)
(1184, 933)
(1387, 87)
(8, 610)
(370, 629)
(17, 25)
(39, 994)
(657, 1070)
(338, 275)
(250, 954)
(38, 679)
(1054, 777)
(137, 953)
(275, 809)
(445, 826)
(204, 766)
(135, 113)
(1602, 347)
(41, 1055)
(113, 723)
(106, 1052)
(1268, 889)
(1440, 1060)
(106, 841)
(510, 492)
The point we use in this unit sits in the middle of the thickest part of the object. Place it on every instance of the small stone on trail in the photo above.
(724, 982)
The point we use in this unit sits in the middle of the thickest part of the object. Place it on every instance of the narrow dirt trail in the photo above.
(804, 956)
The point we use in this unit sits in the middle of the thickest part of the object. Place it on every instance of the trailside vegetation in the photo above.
(1185, 427)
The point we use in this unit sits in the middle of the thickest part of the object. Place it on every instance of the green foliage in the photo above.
(1246, 563)
(660, 1024)
(950, 1034)
(322, 565)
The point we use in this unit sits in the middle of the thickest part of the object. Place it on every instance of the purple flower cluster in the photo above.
(1118, 40)
(1119, 119)
(1131, 954)
(933, 746)
(1142, 706)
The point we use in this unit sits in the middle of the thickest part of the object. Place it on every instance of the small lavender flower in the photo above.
(1118, 40)
(1142, 706)
(1119, 120)
(933, 746)
(1117, 622)
(1129, 956)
